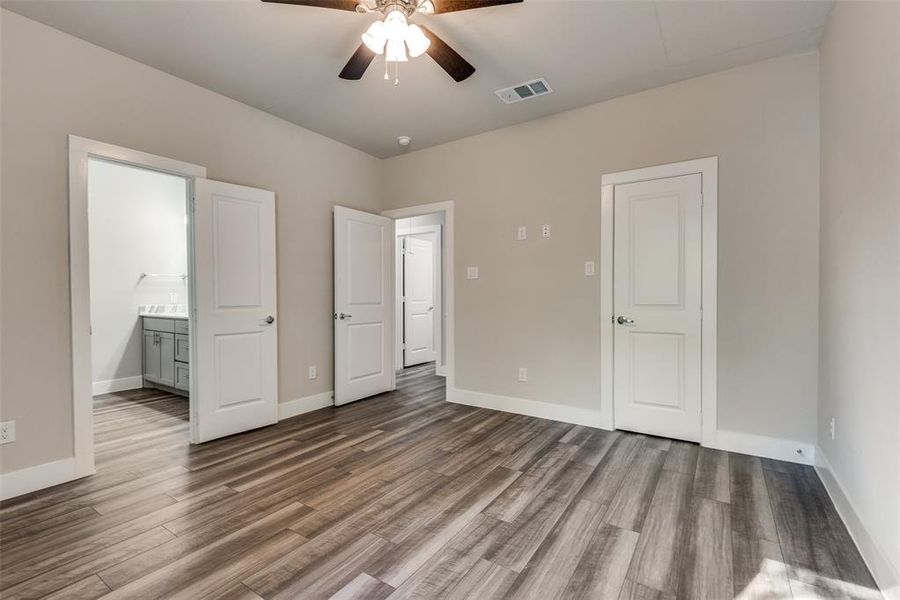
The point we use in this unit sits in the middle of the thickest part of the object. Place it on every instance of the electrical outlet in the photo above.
(588, 268)
(831, 427)
(523, 374)
(312, 372)
(7, 432)
(545, 231)
(522, 233)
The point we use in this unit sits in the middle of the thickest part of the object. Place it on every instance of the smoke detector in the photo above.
(404, 140)
(524, 91)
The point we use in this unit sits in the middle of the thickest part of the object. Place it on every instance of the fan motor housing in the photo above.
(385, 6)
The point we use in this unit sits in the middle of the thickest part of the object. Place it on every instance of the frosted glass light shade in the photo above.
(375, 37)
(396, 51)
(416, 41)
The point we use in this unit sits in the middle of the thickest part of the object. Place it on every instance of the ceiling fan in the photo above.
(396, 38)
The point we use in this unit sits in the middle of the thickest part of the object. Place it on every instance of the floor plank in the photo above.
(706, 570)
(659, 554)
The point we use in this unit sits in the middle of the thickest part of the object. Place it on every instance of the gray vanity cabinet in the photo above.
(166, 353)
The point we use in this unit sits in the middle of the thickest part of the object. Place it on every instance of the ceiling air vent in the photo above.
(524, 91)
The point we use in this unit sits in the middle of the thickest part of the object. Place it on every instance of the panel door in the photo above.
(235, 355)
(418, 307)
(363, 313)
(657, 311)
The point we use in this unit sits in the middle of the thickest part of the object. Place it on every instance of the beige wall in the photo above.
(54, 85)
(532, 305)
(859, 379)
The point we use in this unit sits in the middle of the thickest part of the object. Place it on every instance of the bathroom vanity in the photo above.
(166, 351)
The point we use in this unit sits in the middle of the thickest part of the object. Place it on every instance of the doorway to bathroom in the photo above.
(139, 297)
(173, 296)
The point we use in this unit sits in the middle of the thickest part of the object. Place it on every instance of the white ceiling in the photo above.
(285, 59)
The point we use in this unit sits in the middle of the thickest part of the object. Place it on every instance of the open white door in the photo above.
(363, 310)
(418, 288)
(656, 299)
(235, 362)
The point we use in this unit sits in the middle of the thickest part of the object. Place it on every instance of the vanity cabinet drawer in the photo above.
(154, 324)
(181, 326)
(182, 377)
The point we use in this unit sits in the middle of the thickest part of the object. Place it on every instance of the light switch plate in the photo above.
(7, 432)
(522, 233)
(471, 272)
(545, 231)
(588, 268)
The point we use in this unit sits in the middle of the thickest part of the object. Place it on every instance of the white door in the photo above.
(235, 370)
(418, 288)
(363, 311)
(656, 303)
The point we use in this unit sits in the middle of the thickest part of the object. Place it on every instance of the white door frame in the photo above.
(447, 276)
(80, 151)
(708, 169)
(399, 317)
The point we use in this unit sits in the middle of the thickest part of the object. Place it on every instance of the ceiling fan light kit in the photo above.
(398, 39)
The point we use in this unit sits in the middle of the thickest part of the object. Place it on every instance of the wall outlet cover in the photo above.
(545, 231)
(471, 272)
(523, 374)
(522, 233)
(588, 268)
(313, 372)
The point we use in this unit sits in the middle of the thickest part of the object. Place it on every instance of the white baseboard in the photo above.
(531, 408)
(886, 575)
(36, 478)
(766, 447)
(292, 408)
(118, 385)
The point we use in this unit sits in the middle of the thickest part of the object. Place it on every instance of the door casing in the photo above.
(80, 151)
(447, 280)
(708, 170)
(398, 292)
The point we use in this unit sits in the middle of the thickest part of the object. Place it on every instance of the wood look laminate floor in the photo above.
(407, 496)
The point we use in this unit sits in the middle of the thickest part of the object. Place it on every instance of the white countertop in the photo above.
(163, 311)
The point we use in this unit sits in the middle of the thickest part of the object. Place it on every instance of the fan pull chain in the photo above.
(386, 76)
(396, 74)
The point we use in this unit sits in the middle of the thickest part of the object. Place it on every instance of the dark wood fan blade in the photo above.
(336, 4)
(358, 63)
(445, 6)
(449, 60)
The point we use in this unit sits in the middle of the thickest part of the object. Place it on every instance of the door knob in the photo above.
(270, 319)
(625, 321)
(430, 308)
(343, 316)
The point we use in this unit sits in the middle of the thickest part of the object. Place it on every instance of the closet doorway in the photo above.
(419, 291)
